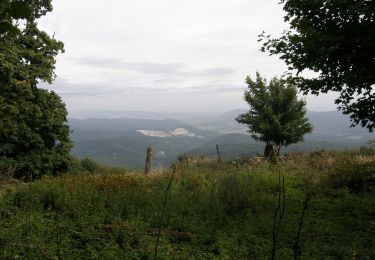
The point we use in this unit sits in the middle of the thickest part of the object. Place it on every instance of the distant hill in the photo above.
(237, 145)
(327, 125)
(332, 131)
(230, 146)
(117, 141)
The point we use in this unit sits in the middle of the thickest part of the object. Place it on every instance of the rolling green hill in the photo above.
(115, 141)
(237, 145)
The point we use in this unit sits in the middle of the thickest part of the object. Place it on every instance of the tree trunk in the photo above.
(268, 150)
(278, 147)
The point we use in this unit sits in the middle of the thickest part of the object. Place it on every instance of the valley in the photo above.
(123, 141)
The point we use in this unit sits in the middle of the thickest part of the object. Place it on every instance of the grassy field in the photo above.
(244, 209)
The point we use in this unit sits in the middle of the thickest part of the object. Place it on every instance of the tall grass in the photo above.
(215, 210)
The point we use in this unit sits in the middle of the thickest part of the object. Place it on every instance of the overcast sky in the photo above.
(163, 55)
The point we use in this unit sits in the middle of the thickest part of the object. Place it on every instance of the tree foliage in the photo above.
(276, 116)
(10, 10)
(336, 40)
(34, 134)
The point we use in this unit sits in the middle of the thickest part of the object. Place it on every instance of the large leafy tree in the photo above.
(276, 116)
(34, 135)
(336, 40)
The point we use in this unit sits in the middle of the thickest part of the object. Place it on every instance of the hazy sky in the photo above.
(163, 55)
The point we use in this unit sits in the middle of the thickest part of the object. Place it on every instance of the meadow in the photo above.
(307, 206)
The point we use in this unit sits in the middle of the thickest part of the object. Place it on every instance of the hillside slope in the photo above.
(123, 142)
(119, 141)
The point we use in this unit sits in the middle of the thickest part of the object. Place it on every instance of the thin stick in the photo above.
(58, 242)
(280, 206)
(274, 228)
(297, 250)
(28, 211)
(163, 212)
(282, 210)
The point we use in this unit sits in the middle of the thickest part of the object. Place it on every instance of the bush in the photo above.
(185, 159)
(353, 176)
(89, 165)
(85, 165)
(368, 150)
(7, 166)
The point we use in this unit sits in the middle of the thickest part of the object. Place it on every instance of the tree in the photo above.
(276, 116)
(10, 10)
(34, 135)
(336, 40)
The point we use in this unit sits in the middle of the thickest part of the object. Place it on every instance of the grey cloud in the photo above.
(166, 81)
(215, 71)
(217, 88)
(66, 88)
(115, 63)
(165, 53)
(150, 67)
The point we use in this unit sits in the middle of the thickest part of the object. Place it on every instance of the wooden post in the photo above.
(218, 153)
(148, 166)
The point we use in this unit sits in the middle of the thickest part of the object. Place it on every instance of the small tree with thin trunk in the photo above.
(276, 116)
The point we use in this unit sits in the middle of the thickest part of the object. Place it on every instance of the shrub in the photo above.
(352, 175)
(89, 165)
(85, 165)
(185, 159)
(368, 150)
(7, 166)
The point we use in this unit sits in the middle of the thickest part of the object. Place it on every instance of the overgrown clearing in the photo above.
(213, 210)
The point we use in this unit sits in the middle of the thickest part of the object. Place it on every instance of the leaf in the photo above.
(19, 10)
(6, 27)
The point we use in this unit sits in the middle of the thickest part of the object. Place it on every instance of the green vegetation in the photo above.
(308, 206)
(276, 116)
(336, 40)
(34, 135)
(213, 211)
(10, 10)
